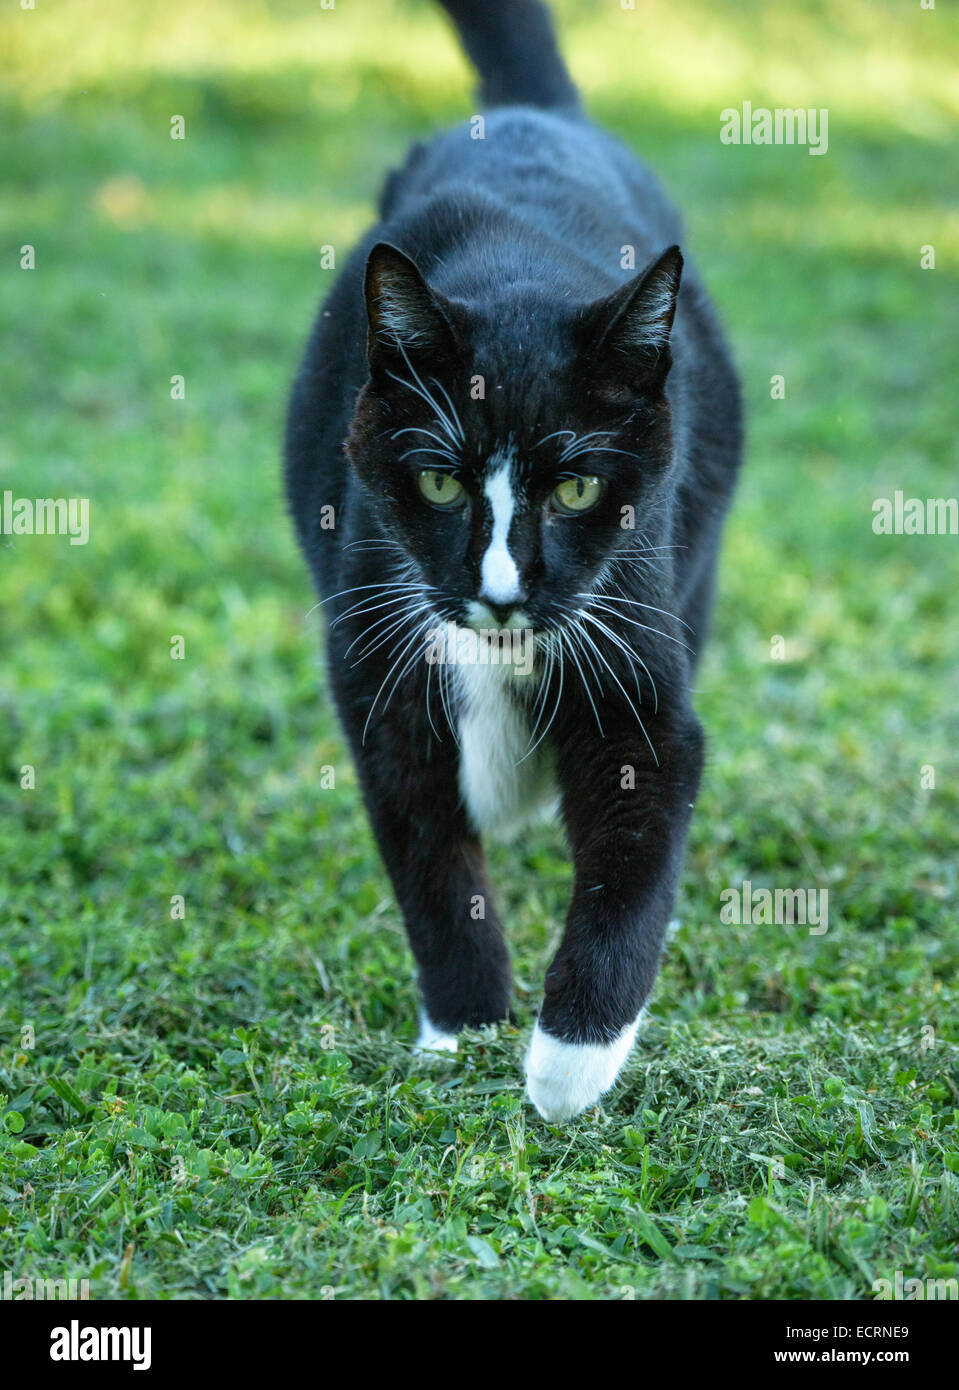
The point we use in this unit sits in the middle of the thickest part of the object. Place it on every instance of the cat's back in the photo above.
(557, 169)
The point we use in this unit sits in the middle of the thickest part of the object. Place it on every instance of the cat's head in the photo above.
(513, 447)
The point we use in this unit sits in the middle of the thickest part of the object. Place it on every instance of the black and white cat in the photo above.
(508, 460)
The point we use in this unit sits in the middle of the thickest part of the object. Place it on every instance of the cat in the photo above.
(502, 436)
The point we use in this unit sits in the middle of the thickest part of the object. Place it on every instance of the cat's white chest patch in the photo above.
(501, 786)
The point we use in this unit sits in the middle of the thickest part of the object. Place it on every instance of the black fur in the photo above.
(502, 257)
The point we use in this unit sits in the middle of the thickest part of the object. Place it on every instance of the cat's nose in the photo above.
(502, 605)
(500, 611)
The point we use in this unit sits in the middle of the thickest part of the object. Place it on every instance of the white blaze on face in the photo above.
(499, 575)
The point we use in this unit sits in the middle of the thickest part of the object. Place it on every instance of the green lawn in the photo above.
(227, 1103)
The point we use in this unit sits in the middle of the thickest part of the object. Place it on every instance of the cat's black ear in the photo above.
(627, 333)
(404, 314)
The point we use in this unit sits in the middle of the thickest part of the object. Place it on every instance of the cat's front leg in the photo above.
(435, 861)
(627, 820)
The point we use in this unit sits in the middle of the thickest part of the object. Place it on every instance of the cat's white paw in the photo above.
(563, 1078)
(432, 1039)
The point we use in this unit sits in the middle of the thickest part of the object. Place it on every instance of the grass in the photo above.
(227, 1103)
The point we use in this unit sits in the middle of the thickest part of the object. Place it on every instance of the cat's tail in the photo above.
(513, 48)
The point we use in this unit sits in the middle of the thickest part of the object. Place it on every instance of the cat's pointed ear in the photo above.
(404, 314)
(627, 333)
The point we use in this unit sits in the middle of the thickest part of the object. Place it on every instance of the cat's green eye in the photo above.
(441, 489)
(575, 495)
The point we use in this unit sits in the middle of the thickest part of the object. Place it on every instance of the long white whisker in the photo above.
(372, 540)
(630, 655)
(393, 620)
(646, 550)
(363, 546)
(645, 626)
(379, 641)
(456, 419)
(447, 699)
(429, 712)
(451, 462)
(554, 435)
(602, 658)
(392, 616)
(539, 706)
(559, 696)
(369, 604)
(421, 390)
(576, 636)
(421, 631)
(419, 429)
(611, 598)
(581, 442)
(441, 418)
(600, 449)
(383, 584)
(410, 642)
